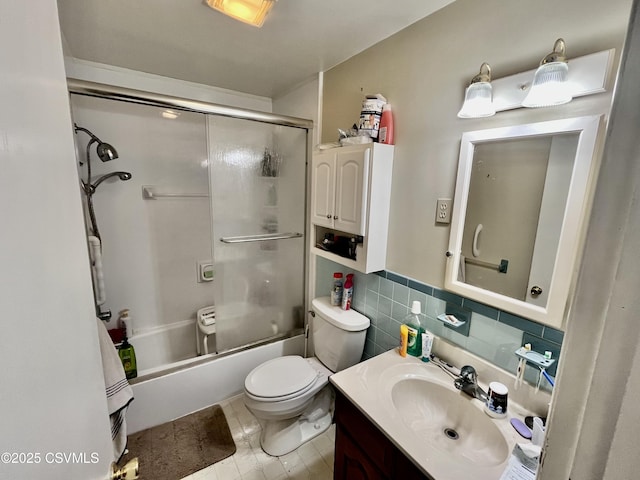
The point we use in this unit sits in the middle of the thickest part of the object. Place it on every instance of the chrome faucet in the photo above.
(467, 382)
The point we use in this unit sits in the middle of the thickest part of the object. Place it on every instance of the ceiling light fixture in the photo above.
(550, 86)
(252, 12)
(478, 101)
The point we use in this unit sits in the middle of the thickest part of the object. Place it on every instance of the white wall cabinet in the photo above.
(350, 195)
(339, 189)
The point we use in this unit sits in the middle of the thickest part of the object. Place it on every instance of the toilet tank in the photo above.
(338, 335)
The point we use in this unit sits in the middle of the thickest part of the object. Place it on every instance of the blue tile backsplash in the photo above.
(385, 297)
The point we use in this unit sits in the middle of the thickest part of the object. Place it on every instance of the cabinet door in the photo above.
(351, 463)
(352, 180)
(323, 189)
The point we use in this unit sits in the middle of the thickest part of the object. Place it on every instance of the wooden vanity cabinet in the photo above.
(362, 452)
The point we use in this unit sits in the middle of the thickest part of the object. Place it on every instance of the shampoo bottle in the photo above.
(347, 292)
(127, 356)
(412, 321)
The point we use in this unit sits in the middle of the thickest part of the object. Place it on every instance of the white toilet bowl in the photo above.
(291, 395)
(292, 398)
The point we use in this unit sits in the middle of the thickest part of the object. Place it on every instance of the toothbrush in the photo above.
(548, 377)
(520, 373)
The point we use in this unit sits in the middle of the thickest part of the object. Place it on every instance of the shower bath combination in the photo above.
(106, 153)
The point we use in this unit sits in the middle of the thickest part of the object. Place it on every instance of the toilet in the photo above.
(291, 395)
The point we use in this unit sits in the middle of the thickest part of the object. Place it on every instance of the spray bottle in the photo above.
(386, 126)
(347, 292)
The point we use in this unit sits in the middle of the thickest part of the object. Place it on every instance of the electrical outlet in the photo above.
(443, 210)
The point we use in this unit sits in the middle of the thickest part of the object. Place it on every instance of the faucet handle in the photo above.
(468, 374)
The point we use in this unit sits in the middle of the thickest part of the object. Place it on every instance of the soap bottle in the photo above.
(404, 336)
(336, 290)
(347, 292)
(127, 355)
(385, 135)
(412, 321)
(124, 322)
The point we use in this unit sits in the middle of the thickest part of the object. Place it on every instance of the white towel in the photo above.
(119, 392)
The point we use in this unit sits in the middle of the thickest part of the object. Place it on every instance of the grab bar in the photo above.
(260, 238)
(149, 193)
(502, 268)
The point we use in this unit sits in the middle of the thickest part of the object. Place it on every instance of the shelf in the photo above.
(452, 322)
(347, 262)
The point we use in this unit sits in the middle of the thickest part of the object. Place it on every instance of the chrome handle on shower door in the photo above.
(260, 237)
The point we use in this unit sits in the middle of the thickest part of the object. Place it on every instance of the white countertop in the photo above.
(367, 386)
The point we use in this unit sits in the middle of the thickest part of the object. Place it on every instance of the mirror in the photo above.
(520, 203)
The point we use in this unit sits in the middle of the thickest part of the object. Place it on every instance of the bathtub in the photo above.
(157, 347)
(193, 384)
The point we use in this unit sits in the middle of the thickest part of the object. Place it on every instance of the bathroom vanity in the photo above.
(363, 452)
(401, 418)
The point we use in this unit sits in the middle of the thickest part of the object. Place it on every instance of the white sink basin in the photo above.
(449, 421)
(418, 408)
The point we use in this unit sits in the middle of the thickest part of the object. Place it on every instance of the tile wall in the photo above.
(494, 335)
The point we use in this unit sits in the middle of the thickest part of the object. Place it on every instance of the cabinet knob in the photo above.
(335, 217)
(329, 216)
(535, 291)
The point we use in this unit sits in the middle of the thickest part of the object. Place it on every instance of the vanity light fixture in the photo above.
(252, 12)
(478, 97)
(550, 85)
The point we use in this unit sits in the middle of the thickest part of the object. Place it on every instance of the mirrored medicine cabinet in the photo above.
(520, 204)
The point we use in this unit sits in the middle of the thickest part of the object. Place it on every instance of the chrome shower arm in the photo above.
(76, 129)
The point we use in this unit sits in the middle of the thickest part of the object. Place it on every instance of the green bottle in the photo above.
(412, 321)
(127, 356)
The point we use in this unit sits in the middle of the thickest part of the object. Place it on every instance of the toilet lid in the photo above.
(280, 377)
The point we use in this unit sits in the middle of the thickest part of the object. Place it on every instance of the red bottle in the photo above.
(385, 135)
(347, 292)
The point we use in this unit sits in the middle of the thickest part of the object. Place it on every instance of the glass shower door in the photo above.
(257, 176)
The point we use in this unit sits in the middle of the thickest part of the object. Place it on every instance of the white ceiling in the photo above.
(187, 40)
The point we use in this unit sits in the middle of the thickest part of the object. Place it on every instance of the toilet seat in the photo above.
(281, 379)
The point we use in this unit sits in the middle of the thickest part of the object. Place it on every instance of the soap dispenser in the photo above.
(127, 355)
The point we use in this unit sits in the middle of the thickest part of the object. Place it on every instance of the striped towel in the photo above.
(119, 392)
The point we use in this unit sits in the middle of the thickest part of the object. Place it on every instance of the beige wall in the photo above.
(423, 71)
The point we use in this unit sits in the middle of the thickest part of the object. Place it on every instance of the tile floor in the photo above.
(312, 461)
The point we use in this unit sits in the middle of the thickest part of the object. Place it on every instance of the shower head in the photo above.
(121, 175)
(105, 151)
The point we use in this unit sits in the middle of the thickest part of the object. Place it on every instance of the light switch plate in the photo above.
(443, 210)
